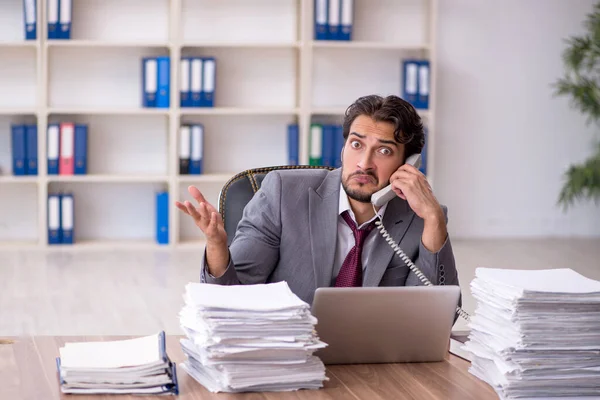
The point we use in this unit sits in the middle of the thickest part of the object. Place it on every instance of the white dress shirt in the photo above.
(345, 238)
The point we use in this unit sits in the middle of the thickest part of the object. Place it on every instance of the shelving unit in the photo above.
(270, 73)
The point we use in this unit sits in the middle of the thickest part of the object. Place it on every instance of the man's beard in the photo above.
(356, 195)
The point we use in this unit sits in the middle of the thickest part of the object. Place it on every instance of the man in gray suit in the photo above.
(301, 225)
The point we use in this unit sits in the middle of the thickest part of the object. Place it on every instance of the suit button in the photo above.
(441, 267)
(442, 280)
(442, 273)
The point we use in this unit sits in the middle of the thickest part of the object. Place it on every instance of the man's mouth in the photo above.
(363, 178)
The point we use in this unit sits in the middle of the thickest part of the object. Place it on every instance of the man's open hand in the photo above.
(205, 216)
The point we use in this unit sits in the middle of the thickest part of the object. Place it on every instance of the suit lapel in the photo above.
(397, 219)
(323, 204)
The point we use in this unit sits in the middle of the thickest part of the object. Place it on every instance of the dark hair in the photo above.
(407, 122)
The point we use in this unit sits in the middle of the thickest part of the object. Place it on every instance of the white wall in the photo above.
(503, 139)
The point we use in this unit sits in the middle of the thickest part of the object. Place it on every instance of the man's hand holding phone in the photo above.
(411, 185)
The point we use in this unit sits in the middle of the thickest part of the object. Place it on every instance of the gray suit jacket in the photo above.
(288, 232)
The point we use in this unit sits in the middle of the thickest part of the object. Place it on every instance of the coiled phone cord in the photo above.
(408, 261)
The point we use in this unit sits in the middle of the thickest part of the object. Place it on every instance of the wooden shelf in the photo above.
(335, 44)
(245, 45)
(18, 111)
(108, 178)
(108, 111)
(29, 179)
(206, 178)
(20, 44)
(99, 43)
(238, 111)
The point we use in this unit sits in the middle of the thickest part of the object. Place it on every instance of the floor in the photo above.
(138, 293)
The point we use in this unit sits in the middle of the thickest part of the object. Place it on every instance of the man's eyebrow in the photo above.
(358, 134)
(390, 142)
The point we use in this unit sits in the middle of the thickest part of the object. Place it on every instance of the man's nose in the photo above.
(366, 161)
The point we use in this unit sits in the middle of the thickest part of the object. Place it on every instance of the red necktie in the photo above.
(351, 272)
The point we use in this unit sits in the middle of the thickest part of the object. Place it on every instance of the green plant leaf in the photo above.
(582, 182)
(574, 55)
(584, 96)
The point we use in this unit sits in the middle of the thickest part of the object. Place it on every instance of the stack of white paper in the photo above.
(250, 338)
(132, 366)
(536, 334)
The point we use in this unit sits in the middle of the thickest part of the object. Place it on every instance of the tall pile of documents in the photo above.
(130, 366)
(536, 334)
(250, 338)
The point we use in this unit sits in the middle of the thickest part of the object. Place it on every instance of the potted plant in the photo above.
(581, 83)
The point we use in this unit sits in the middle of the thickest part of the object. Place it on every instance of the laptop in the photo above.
(367, 325)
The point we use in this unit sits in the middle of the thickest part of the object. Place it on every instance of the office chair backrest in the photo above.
(238, 191)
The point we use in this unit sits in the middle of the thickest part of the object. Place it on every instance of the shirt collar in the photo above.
(344, 205)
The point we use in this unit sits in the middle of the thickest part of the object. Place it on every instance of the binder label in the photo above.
(151, 77)
(209, 76)
(67, 213)
(30, 14)
(184, 142)
(53, 213)
(321, 12)
(197, 133)
(334, 13)
(65, 13)
(411, 78)
(67, 140)
(52, 13)
(347, 11)
(185, 76)
(423, 80)
(316, 133)
(53, 141)
(196, 75)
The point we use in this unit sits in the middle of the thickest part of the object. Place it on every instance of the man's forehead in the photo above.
(364, 124)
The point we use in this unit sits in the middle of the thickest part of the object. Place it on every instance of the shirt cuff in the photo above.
(229, 277)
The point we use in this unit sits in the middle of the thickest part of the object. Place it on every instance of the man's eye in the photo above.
(355, 144)
(385, 151)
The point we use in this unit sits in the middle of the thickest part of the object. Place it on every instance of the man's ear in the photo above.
(342, 155)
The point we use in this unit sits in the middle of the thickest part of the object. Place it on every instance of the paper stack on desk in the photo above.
(131, 366)
(250, 338)
(536, 334)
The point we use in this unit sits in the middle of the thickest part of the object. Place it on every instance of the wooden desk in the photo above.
(28, 372)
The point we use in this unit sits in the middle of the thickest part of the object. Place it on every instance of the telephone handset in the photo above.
(386, 194)
(380, 198)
